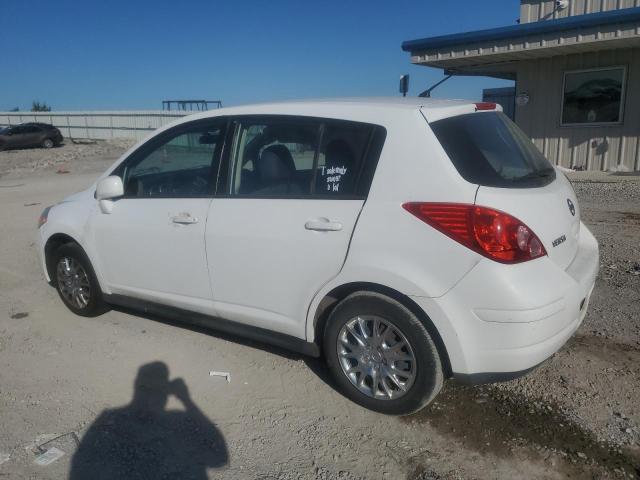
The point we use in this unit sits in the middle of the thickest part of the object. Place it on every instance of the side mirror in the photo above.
(108, 189)
(404, 85)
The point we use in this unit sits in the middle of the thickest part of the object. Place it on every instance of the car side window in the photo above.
(283, 156)
(342, 153)
(182, 163)
(274, 157)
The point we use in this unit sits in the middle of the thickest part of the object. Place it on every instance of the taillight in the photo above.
(492, 233)
(485, 106)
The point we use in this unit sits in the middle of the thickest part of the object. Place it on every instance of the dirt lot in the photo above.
(61, 376)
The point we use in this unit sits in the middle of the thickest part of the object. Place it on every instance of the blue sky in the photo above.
(114, 54)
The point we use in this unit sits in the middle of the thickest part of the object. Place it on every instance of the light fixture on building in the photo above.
(522, 99)
(562, 4)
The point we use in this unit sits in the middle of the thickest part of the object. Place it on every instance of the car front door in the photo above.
(16, 137)
(151, 246)
(280, 227)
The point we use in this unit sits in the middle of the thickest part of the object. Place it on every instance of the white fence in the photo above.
(99, 124)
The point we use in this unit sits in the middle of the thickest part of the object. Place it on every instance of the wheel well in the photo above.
(55, 242)
(327, 304)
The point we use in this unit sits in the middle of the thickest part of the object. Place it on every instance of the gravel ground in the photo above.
(63, 378)
(79, 158)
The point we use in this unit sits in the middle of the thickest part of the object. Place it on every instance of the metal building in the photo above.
(576, 66)
(505, 96)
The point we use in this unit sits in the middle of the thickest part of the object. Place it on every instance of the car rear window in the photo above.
(489, 149)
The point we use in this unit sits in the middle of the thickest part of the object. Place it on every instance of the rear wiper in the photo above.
(547, 172)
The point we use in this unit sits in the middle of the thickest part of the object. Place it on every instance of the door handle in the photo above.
(323, 225)
(184, 219)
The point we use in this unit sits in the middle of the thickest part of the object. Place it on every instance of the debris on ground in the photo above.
(226, 375)
(83, 141)
(48, 457)
(68, 440)
(40, 440)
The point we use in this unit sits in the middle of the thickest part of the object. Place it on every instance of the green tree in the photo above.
(36, 106)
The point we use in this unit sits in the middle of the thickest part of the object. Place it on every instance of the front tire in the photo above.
(76, 281)
(381, 355)
(48, 143)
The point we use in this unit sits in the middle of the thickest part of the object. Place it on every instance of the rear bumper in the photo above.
(490, 377)
(501, 321)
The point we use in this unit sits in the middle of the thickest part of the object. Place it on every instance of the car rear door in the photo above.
(513, 176)
(280, 227)
(551, 211)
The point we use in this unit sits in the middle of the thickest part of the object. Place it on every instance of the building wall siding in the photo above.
(539, 10)
(589, 147)
(97, 125)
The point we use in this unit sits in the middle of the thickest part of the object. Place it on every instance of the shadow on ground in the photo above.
(143, 440)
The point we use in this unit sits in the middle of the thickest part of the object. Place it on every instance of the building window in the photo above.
(593, 96)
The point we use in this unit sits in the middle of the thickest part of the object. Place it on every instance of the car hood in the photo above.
(81, 196)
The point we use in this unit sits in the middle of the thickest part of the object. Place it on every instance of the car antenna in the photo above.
(427, 92)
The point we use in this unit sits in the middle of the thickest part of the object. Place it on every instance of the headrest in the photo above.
(275, 164)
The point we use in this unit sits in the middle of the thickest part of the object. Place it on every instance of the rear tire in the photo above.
(48, 143)
(76, 282)
(381, 355)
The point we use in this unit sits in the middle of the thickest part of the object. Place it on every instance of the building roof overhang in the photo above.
(494, 52)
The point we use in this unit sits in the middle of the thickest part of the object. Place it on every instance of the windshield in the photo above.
(490, 150)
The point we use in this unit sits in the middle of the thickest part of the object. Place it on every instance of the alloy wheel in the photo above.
(376, 357)
(73, 282)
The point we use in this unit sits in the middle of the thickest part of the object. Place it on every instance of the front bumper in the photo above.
(40, 242)
(499, 321)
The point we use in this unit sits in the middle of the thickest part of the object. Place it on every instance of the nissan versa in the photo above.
(406, 241)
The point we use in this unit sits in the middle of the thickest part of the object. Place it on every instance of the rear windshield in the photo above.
(490, 150)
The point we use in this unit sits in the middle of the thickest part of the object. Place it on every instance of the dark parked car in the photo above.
(30, 135)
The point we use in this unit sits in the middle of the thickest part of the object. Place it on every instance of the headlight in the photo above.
(43, 217)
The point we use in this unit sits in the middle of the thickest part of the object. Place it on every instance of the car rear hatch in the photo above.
(489, 150)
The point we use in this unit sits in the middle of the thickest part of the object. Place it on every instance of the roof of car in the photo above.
(356, 108)
(39, 124)
(391, 102)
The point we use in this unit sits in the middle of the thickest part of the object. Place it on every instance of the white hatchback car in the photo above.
(408, 241)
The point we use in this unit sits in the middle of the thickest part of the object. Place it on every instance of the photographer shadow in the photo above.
(143, 440)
